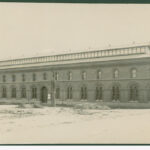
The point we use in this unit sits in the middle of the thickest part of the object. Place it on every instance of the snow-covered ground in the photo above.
(51, 125)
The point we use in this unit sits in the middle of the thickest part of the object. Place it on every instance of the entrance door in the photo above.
(44, 95)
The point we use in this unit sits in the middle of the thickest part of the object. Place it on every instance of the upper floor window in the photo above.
(99, 75)
(116, 73)
(34, 77)
(13, 78)
(44, 76)
(133, 73)
(23, 77)
(4, 78)
(83, 75)
(70, 76)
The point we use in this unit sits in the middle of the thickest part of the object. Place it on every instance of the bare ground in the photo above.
(52, 125)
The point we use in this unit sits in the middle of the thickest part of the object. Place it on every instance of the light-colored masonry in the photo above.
(115, 74)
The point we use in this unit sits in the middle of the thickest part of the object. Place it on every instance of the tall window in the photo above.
(115, 92)
(4, 92)
(69, 92)
(56, 76)
(70, 76)
(44, 76)
(4, 78)
(83, 93)
(99, 75)
(133, 93)
(116, 74)
(34, 77)
(23, 92)
(13, 78)
(13, 92)
(133, 73)
(57, 96)
(83, 75)
(99, 93)
(23, 77)
(34, 92)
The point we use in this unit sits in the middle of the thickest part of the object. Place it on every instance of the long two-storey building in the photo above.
(114, 74)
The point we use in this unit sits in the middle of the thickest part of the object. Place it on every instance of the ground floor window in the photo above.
(34, 92)
(23, 92)
(4, 92)
(83, 93)
(115, 93)
(133, 93)
(13, 93)
(99, 93)
(57, 94)
(69, 93)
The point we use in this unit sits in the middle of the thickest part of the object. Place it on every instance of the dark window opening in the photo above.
(115, 93)
(69, 93)
(99, 93)
(83, 93)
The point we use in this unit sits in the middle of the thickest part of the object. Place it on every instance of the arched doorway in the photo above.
(44, 95)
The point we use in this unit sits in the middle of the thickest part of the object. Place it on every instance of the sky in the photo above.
(35, 29)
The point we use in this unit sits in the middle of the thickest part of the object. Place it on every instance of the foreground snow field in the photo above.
(52, 125)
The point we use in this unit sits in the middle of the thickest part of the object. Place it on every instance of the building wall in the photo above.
(142, 80)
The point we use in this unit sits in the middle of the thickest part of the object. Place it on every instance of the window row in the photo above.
(70, 77)
(83, 93)
(115, 92)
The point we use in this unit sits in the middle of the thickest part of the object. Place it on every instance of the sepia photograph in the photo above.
(74, 73)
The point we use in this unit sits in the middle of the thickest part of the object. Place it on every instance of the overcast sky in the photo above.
(31, 29)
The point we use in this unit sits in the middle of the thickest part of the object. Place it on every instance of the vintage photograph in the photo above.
(74, 73)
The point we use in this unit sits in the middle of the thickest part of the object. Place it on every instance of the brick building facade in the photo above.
(116, 74)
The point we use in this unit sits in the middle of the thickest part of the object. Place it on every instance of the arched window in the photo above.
(99, 75)
(4, 78)
(44, 76)
(99, 93)
(23, 92)
(57, 96)
(83, 93)
(133, 93)
(83, 75)
(34, 77)
(13, 92)
(69, 92)
(4, 92)
(23, 77)
(13, 78)
(69, 75)
(133, 73)
(116, 74)
(34, 92)
(115, 93)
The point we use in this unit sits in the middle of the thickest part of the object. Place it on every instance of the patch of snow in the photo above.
(68, 125)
